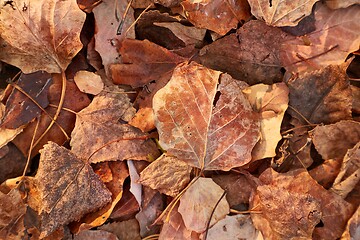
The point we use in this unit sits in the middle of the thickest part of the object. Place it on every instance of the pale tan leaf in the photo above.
(166, 174)
(271, 101)
(88, 82)
(199, 133)
(281, 13)
(335, 4)
(198, 202)
(40, 35)
(323, 46)
(7, 135)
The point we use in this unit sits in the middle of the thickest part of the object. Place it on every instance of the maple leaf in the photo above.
(198, 203)
(166, 174)
(215, 15)
(281, 13)
(98, 128)
(68, 188)
(40, 35)
(194, 130)
(323, 46)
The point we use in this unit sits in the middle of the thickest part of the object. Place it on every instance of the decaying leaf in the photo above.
(198, 202)
(321, 96)
(98, 127)
(68, 188)
(12, 211)
(166, 174)
(333, 141)
(215, 15)
(251, 55)
(323, 46)
(271, 101)
(204, 132)
(40, 35)
(88, 82)
(281, 13)
(143, 61)
(308, 203)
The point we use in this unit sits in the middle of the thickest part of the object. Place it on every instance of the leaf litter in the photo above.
(179, 120)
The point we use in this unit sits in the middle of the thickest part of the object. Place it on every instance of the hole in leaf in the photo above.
(270, 3)
(320, 224)
(217, 97)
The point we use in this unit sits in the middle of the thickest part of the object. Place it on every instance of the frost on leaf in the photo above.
(281, 13)
(45, 36)
(101, 134)
(199, 133)
(198, 202)
(68, 188)
(166, 174)
(323, 46)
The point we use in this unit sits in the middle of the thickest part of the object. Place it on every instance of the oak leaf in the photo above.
(194, 130)
(40, 35)
(323, 46)
(68, 188)
(281, 13)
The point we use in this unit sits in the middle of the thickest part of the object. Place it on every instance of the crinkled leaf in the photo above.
(40, 35)
(324, 46)
(68, 188)
(199, 133)
(198, 203)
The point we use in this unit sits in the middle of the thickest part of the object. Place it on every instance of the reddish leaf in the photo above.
(195, 131)
(45, 35)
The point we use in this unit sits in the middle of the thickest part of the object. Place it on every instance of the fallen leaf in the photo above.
(335, 4)
(353, 226)
(135, 186)
(125, 230)
(271, 101)
(127, 207)
(168, 3)
(166, 174)
(281, 13)
(7, 135)
(143, 62)
(326, 173)
(349, 174)
(194, 130)
(107, 39)
(12, 162)
(198, 203)
(333, 141)
(234, 227)
(143, 119)
(88, 82)
(20, 109)
(321, 96)
(68, 188)
(40, 35)
(215, 15)
(95, 234)
(323, 46)
(98, 127)
(12, 213)
(251, 55)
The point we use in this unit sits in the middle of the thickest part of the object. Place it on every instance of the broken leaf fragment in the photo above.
(205, 133)
(68, 188)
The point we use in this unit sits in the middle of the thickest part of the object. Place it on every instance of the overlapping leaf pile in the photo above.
(178, 119)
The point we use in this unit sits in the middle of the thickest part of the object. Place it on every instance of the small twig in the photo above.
(31, 147)
(302, 116)
(137, 19)
(121, 24)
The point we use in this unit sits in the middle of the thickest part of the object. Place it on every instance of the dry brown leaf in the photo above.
(68, 188)
(88, 82)
(198, 203)
(143, 62)
(107, 41)
(40, 35)
(125, 230)
(301, 189)
(251, 55)
(335, 4)
(234, 227)
(321, 96)
(326, 173)
(215, 15)
(98, 128)
(95, 234)
(127, 206)
(12, 213)
(205, 133)
(271, 101)
(143, 119)
(352, 227)
(349, 174)
(333, 141)
(12, 162)
(323, 46)
(7, 135)
(166, 174)
(281, 13)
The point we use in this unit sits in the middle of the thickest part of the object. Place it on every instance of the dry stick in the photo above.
(294, 128)
(121, 24)
(31, 147)
(212, 213)
(65, 109)
(300, 115)
(58, 110)
(137, 19)
(151, 237)
(244, 212)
